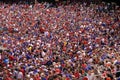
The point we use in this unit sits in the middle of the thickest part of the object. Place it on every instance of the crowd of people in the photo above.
(76, 41)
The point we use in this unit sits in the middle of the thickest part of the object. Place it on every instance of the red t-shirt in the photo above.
(76, 74)
(42, 30)
(36, 78)
(8, 78)
(23, 71)
(11, 57)
(67, 78)
(84, 65)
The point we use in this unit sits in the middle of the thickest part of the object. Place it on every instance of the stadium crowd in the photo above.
(69, 42)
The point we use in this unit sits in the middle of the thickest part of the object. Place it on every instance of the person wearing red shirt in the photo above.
(76, 74)
(8, 78)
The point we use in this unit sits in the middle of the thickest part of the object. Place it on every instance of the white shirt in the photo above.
(90, 77)
(20, 76)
